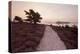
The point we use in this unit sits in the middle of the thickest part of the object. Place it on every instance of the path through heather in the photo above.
(51, 41)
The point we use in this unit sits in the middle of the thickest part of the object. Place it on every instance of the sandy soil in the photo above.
(51, 41)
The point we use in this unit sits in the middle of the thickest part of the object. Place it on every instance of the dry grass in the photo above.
(25, 37)
(68, 35)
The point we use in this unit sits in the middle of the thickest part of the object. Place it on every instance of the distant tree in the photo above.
(75, 29)
(66, 26)
(51, 25)
(32, 16)
(18, 19)
(74, 26)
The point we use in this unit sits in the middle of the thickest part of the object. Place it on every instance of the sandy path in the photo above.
(50, 41)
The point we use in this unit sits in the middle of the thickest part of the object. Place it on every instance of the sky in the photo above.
(50, 12)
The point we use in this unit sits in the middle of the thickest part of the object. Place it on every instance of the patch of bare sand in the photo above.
(51, 41)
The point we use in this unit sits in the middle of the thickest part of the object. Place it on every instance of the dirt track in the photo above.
(51, 41)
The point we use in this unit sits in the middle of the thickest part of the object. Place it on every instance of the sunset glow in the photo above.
(49, 12)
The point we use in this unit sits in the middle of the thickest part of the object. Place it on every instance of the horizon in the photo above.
(48, 11)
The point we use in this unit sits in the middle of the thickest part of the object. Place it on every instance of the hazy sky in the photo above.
(50, 12)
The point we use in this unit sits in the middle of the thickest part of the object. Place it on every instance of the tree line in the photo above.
(31, 17)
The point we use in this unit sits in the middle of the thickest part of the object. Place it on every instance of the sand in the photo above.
(51, 41)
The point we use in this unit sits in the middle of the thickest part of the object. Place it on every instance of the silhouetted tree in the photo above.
(66, 26)
(75, 29)
(74, 26)
(17, 18)
(32, 16)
